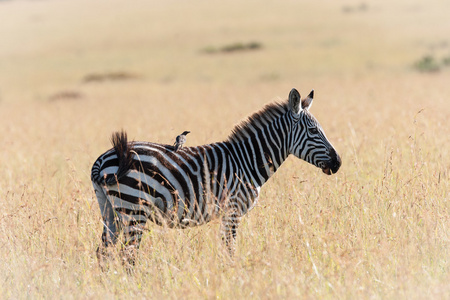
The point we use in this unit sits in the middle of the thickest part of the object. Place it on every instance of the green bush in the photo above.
(427, 64)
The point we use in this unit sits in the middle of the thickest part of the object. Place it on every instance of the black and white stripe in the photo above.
(139, 181)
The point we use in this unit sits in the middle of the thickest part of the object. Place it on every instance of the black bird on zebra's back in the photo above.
(180, 140)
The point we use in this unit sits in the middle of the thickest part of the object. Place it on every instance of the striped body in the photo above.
(140, 181)
(177, 189)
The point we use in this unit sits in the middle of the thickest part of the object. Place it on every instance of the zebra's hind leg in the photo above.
(230, 223)
(110, 226)
(133, 228)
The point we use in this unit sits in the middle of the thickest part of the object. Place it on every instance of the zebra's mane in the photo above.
(265, 116)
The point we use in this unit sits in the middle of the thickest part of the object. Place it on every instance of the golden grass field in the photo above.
(378, 229)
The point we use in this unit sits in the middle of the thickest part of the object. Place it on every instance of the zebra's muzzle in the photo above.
(326, 170)
(333, 165)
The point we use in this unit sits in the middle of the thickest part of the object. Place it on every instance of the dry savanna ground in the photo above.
(72, 72)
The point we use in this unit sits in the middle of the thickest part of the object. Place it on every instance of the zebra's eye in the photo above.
(313, 130)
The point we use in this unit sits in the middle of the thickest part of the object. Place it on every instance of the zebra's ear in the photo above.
(307, 102)
(294, 101)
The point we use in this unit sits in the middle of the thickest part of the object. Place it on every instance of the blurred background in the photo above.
(162, 61)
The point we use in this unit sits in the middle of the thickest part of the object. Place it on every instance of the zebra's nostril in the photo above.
(336, 163)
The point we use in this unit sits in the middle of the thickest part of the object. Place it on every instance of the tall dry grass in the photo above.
(376, 229)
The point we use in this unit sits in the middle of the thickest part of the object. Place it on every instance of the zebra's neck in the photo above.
(260, 151)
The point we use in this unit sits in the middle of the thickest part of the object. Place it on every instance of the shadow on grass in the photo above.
(65, 95)
(110, 76)
(234, 47)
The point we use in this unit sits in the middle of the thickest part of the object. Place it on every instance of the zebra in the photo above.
(139, 181)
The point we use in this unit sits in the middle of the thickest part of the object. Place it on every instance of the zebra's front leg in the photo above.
(230, 223)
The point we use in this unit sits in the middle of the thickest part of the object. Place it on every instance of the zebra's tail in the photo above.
(123, 150)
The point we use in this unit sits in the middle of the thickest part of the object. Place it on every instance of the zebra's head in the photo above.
(308, 140)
